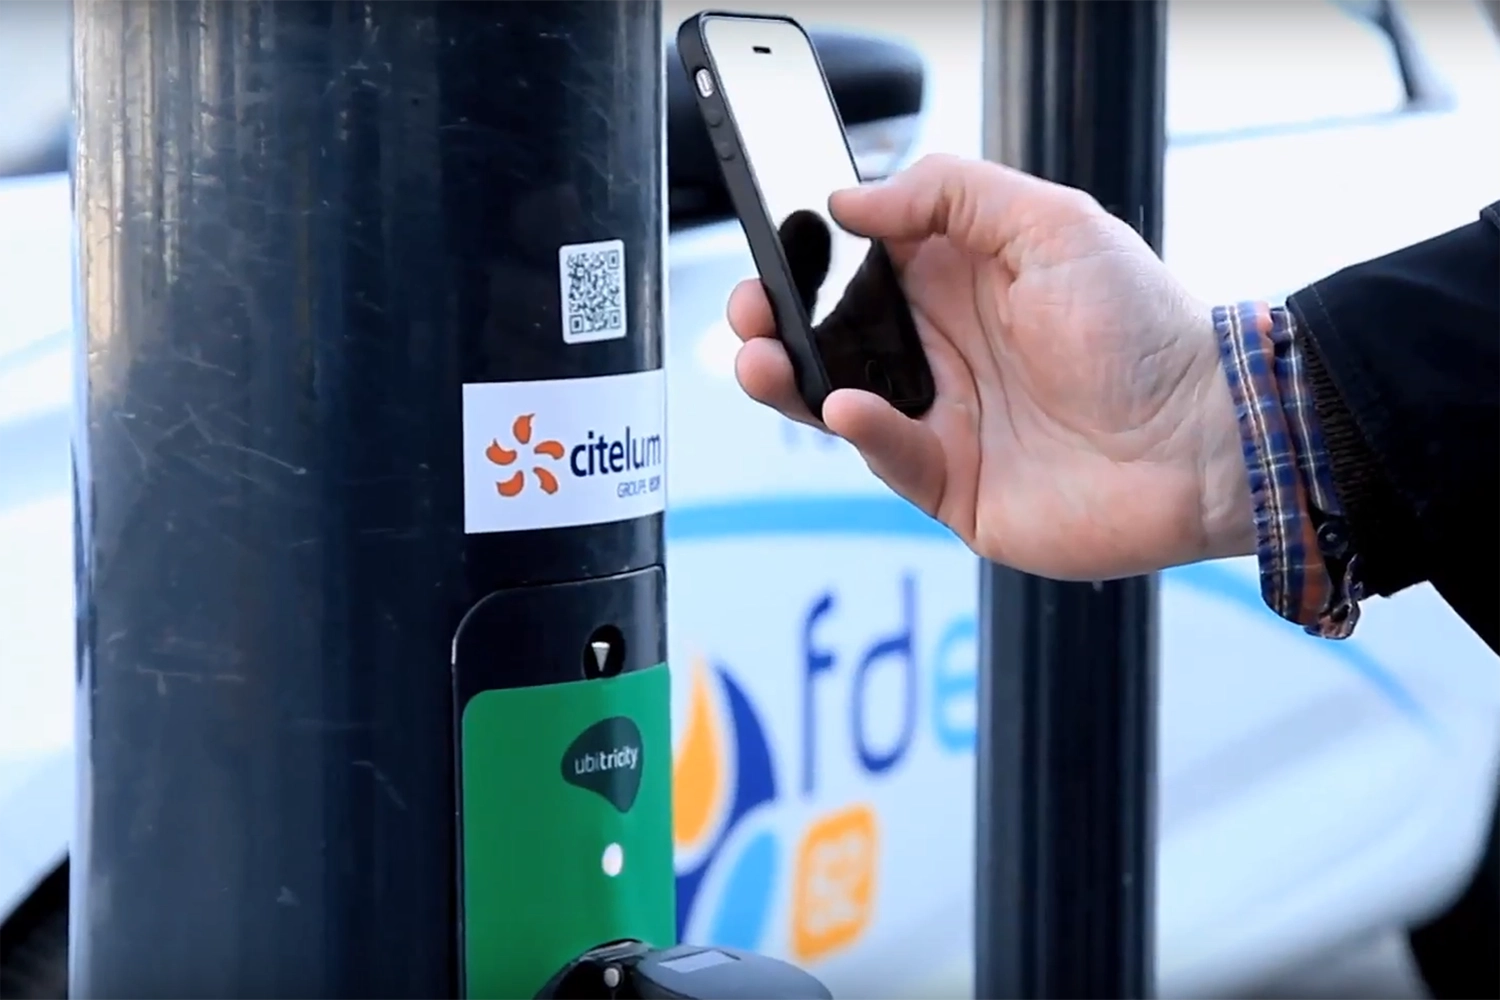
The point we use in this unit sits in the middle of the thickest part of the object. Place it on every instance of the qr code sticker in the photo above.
(593, 291)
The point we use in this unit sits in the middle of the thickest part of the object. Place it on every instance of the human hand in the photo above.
(1083, 428)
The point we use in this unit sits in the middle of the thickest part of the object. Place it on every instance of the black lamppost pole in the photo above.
(1074, 92)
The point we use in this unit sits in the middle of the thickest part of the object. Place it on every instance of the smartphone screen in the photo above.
(794, 146)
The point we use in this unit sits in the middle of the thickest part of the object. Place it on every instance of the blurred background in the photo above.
(1316, 804)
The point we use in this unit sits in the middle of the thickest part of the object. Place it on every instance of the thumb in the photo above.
(905, 453)
(980, 206)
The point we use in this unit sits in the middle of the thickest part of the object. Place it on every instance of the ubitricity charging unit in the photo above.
(370, 464)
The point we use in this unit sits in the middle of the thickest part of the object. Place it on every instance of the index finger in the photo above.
(980, 206)
(749, 311)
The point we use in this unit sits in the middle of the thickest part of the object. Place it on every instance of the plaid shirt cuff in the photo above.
(1308, 574)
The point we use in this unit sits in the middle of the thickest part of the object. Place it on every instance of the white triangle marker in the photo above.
(601, 653)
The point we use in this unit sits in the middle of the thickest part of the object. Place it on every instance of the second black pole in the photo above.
(1065, 846)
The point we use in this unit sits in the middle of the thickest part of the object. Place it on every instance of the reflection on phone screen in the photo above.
(795, 149)
(808, 246)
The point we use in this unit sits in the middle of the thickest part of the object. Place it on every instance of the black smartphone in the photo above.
(836, 297)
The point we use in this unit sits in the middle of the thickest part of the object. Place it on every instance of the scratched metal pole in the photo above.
(1066, 808)
(300, 227)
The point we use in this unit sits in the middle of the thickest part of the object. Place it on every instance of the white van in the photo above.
(823, 632)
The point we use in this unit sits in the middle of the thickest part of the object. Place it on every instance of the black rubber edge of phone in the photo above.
(793, 325)
(765, 245)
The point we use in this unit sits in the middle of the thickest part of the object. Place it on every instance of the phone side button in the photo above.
(712, 116)
(725, 149)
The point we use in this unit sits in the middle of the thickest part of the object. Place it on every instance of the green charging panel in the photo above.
(567, 826)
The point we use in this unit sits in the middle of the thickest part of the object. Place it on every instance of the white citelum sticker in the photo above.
(565, 452)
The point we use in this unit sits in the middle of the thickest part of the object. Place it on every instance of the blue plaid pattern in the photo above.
(1301, 417)
(1290, 481)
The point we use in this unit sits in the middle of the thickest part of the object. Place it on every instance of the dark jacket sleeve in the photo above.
(1404, 363)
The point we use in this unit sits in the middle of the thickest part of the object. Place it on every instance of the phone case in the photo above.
(793, 324)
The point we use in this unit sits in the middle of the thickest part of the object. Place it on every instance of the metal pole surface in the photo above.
(1067, 737)
(305, 231)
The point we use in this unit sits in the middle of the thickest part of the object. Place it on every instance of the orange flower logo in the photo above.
(521, 431)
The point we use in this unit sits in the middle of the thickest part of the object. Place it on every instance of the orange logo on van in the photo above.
(834, 885)
(521, 431)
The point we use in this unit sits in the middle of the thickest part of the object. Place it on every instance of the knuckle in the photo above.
(1079, 202)
(958, 205)
(929, 162)
(934, 168)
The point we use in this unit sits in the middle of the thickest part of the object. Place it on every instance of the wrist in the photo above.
(1226, 502)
